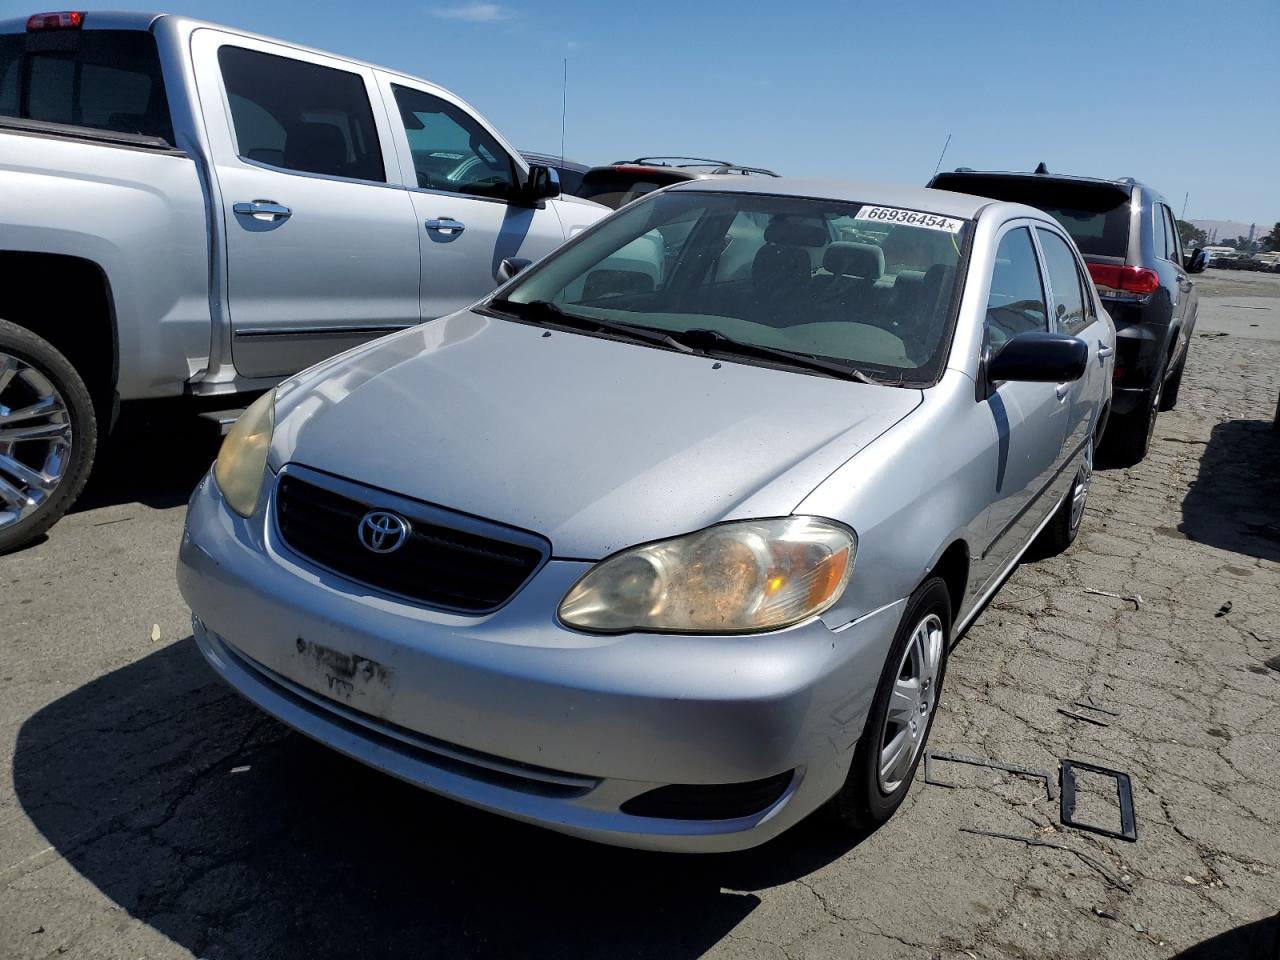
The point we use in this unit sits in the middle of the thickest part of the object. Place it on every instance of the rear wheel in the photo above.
(48, 435)
(902, 713)
(1065, 525)
(1128, 436)
(1169, 398)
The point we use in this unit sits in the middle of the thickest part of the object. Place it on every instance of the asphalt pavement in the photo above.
(147, 811)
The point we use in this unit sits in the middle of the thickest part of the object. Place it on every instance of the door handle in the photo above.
(446, 225)
(1104, 351)
(1061, 390)
(263, 210)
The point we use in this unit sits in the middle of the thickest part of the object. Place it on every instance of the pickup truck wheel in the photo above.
(906, 701)
(48, 435)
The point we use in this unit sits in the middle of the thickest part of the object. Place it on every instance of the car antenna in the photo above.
(564, 107)
(1041, 168)
(938, 166)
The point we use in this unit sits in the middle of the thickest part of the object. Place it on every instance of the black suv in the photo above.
(617, 184)
(1129, 238)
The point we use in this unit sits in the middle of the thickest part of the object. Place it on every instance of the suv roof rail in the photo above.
(662, 161)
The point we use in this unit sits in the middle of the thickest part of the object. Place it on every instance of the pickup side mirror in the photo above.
(1039, 358)
(543, 183)
(510, 266)
(1196, 261)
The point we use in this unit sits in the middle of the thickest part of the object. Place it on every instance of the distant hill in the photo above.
(1227, 229)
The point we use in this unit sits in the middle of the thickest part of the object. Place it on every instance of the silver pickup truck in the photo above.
(190, 210)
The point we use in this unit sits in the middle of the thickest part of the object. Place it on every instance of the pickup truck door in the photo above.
(462, 177)
(321, 245)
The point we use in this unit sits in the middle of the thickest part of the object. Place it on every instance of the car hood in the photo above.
(597, 444)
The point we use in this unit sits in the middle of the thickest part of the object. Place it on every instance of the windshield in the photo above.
(867, 286)
(616, 188)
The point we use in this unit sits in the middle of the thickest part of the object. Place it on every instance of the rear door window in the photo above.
(101, 79)
(1064, 281)
(1016, 303)
(301, 116)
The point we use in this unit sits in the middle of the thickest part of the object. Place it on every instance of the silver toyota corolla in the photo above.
(665, 544)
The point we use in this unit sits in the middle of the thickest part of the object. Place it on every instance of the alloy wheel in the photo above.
(35, 439)
(911, 703)
(1080, 491)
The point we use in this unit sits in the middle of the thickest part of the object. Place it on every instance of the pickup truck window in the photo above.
(301, 116)
(102, 79)
(450, 150)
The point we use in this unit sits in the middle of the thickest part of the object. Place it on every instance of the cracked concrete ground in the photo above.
(146, 811)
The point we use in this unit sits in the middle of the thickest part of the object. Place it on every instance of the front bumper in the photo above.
(512, 712)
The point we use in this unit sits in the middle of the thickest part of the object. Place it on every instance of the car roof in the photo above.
(945, 202)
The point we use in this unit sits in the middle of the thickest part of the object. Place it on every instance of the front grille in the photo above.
(441, 564)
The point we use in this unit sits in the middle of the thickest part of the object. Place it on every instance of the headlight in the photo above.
(242, 461)
(740, 577)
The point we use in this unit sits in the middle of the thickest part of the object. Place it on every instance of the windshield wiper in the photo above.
(542, 311)
(704, 339)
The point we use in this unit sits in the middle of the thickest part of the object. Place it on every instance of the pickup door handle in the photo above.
(262, 210)
(1104, 351)
(1061, 390)
(446, 225)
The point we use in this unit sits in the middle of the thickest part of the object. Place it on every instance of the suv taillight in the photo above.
(1112, 280)
(67, 20)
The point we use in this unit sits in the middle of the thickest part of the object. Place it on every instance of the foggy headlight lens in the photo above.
(242, 461)
(739, 577)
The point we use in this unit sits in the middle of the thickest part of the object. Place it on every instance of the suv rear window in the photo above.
(616, 187)
(1095, 214)
(102, 79)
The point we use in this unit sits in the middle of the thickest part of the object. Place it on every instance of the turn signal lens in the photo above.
(740, 577)
(242, 461)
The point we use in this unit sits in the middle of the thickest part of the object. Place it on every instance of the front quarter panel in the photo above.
(917, 489)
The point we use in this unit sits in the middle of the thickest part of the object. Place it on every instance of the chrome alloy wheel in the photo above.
(1080, 490)
(911, 703)
(35, 439)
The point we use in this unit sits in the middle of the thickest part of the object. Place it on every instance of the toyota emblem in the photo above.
(382, 532)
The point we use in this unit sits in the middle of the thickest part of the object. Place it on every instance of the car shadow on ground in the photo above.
(155, 456)
(237, 838)
(1234, 501)
(1259, 940)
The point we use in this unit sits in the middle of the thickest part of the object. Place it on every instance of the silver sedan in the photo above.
(666, 542)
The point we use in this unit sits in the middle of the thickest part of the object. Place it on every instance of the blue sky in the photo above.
(1183, 95)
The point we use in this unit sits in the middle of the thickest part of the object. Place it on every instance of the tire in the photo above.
(870, 797)
(1169, 396)
(45, 456)
(1065, 525)
(1128, 436)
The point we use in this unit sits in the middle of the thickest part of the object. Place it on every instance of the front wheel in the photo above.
(48, 435)
(902, 712)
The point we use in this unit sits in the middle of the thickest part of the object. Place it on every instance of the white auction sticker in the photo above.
(913, 218)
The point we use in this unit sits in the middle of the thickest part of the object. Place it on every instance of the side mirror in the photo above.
(1197, 260)
(543, 184)
(1040, 358)
(510, 266)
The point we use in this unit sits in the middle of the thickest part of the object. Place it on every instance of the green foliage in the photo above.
(1192, 236)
